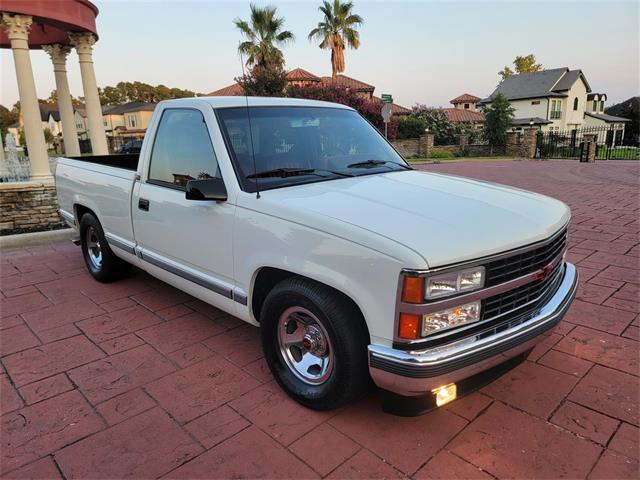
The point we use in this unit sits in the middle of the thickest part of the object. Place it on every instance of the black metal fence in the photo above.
(612, 143)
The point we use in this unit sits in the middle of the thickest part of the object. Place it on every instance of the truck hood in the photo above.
(444, 219)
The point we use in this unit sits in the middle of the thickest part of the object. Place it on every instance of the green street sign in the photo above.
(387, 98)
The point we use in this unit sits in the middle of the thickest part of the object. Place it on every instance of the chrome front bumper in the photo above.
(415, 373)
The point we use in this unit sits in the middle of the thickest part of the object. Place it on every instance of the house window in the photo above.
(132, 121)
(466, 106)
(535, 102)
(556, 112)
(575, 103)
(601, 106)
(595, 106)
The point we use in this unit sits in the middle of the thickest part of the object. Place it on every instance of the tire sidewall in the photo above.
(323, 396)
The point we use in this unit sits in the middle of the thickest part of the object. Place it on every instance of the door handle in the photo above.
(143, 204)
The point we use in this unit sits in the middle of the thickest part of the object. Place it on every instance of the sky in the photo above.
(420, 51)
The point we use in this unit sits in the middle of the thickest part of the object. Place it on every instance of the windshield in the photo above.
(294, 145)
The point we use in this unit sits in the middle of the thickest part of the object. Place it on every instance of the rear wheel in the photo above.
(315, 342)
(102, 263)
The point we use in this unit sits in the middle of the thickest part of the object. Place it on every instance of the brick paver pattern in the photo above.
(138, 379)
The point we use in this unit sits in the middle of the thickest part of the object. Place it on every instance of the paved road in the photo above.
(138, 379)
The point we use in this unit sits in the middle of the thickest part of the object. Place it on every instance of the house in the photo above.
(557, 99)
(465, 111)
(300, 78)
(128, 119)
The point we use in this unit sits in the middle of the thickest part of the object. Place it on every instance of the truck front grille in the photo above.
(529, 296)
(511, 267)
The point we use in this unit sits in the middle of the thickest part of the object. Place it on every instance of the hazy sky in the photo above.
(420, 51)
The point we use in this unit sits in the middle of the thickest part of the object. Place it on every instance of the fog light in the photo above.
(445, 394)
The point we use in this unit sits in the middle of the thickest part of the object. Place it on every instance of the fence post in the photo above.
(425, 144)
(590, 146)
(529, 142)
(463, 141)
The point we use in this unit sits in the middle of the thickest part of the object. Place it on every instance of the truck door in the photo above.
(185, 242)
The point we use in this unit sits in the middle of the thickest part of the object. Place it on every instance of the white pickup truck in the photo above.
(300, 218)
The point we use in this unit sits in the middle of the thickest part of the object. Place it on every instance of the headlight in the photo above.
(452, 317)
(447, 284)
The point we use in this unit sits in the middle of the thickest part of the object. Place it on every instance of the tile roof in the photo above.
(545, 83)
(298, 74)
(395, 108)
(459, 115)
(348, 82)
(465, 97)
(233, 90)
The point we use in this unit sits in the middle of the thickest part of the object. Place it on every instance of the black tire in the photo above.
(111, 268)
(347, 334)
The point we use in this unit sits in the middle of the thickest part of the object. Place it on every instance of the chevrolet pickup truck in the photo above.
(298, 217)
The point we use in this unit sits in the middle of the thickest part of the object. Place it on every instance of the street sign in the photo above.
(387, 98)
(386, 112)
(386, 116)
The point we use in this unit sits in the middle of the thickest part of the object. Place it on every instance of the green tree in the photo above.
(264, 82)
(437, 122)
(336, 31)
(7, 117)
(125, 92)
(497, 121)
(263, 35)
(48, 136)
(522, 64)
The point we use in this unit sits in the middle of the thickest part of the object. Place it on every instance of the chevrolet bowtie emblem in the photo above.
(543, 272)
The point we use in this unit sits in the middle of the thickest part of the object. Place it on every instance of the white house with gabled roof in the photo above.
(557, 99)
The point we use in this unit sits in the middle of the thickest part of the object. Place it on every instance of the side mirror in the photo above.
(209, 189)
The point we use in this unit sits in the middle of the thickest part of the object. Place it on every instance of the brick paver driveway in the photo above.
(138, 379)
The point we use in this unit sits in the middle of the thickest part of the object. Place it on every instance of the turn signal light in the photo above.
(413, 289)
(409, 326)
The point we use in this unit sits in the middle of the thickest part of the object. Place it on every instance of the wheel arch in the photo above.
(266, 278)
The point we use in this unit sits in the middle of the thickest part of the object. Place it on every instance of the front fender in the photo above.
(367, 276)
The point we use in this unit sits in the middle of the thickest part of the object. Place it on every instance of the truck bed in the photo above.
(127, 161)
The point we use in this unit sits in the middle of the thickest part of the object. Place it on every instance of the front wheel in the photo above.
(315, 342)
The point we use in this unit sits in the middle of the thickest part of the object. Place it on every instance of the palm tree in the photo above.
(337, 30)
(263, 34)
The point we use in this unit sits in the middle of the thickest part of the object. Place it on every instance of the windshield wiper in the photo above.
(376, 163)
(295, 172)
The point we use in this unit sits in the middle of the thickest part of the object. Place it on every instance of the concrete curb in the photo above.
(37, 238)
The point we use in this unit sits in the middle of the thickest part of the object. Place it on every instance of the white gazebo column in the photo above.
(58, 54)
(83, 43)
(17, 28)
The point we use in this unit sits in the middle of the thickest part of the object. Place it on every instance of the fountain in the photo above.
(15, 169)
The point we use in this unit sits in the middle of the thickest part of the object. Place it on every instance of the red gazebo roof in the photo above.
(52, 19)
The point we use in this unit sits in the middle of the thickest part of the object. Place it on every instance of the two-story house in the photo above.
(127, 120)
(558, 99)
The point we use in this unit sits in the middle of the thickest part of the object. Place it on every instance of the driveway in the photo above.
(138, 379)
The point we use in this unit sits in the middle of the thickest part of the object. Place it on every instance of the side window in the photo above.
(575, 103)
(182, 149)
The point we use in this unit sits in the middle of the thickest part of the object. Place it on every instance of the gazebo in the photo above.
(55, 26)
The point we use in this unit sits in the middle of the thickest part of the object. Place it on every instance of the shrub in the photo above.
(369, 109)
(411, 127)
(264, 82)
(440, 153)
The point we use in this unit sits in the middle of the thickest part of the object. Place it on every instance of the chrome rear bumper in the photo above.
(414, 373)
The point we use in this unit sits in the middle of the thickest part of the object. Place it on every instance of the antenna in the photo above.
(253, 155)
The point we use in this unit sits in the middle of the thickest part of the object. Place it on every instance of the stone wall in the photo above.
(516, 146)
(28, 207)
(408, 147)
